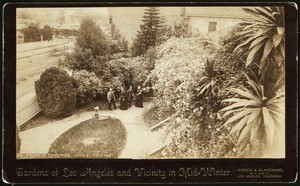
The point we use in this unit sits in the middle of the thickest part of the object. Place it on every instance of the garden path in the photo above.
(139, 143)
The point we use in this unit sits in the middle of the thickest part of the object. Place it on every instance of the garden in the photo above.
(212, 100)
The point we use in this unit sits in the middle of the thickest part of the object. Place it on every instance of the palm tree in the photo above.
(259, 109)
(207, 82)
(256, 117)
(264, 35)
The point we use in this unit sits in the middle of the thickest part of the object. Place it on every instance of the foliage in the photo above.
(31, 33)
(257, 116)
(82, 59)
(260, 107)
(188, 141)
(151, 58)
(155, 113)
(151, 31)
(128, 71)
(55, 93)
(88, 86)
(120, 71)
(265, 36)
(118, 43)
(229, 65)
(91, 37)
(47, 33)
(182, 29)
(226, 57)
(178, 69)
(207, 82)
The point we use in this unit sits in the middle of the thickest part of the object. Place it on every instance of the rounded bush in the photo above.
(88, 86)
(47, 33)
(55, 93)
(31, 33)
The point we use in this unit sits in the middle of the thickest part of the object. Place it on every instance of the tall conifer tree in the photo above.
(150, 33)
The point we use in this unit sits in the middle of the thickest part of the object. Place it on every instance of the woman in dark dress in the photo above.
(123, 100)
(139, 98)
(129, 96)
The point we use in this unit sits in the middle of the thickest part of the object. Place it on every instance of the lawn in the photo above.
(92, 138)
(41, 119)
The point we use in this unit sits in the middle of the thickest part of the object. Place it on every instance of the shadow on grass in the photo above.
(91, 139)
(41, 119)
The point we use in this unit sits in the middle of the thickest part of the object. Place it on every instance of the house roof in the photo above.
(217, 12)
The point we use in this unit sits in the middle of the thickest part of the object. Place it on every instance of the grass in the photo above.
(91, 139)
(41, 119)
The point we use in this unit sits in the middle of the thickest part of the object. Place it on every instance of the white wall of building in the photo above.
(201, 24)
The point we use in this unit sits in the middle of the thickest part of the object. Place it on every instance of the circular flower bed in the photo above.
(91, 139)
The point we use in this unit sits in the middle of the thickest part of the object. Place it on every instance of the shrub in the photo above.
(88, 86)
(118, 43)
(178, 76)
(31, 33)
(55, 93)
(129, 71)
(182, 29)
(187, 141)
(178, 71)
(229, 65)
(47, 33)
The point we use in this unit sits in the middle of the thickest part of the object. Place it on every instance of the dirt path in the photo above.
(140, 140)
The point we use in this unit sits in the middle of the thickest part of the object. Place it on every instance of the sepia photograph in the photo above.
(157, 82)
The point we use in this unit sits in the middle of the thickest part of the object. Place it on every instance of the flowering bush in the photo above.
(178, 70)
(88, 86)
(129, 71)
(187, 141)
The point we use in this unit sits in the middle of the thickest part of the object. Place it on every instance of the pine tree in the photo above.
(150, 32)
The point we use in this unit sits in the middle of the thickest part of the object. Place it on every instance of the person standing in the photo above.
(129, 96)
(123, 100)
(111, 98)
(139, 98)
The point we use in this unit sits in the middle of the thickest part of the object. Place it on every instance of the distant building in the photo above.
(211, 19)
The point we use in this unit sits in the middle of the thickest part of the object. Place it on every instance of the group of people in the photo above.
(125, 98)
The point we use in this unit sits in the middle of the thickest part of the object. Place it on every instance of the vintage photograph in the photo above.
(194, 82)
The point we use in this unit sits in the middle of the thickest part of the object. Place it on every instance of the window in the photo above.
(212, 26)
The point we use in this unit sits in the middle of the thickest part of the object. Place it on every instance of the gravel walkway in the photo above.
(139, 143)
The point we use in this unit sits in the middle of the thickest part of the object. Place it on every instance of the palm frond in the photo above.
(267, 34)
(237, 127)
(255, 115)
(268, 124)
(255, 125)
(268, 48)
(253, 53)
